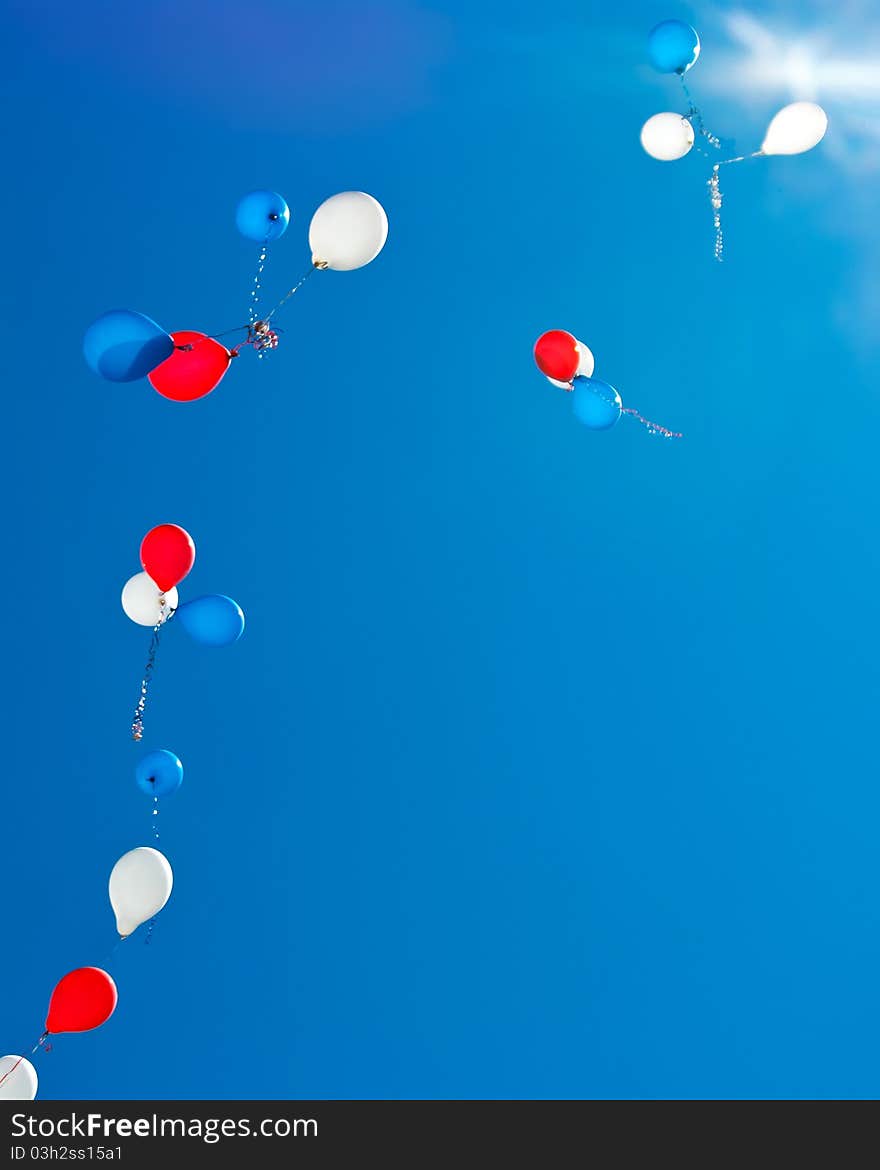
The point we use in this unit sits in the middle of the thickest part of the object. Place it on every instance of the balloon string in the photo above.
(716, 198)
(652, 427)
(190, 345)
(137, 723)
(695, 116)
(255, 297)
(10, 1071)
(110, 955)
(226, 332)
(41, 1043)
(295, 289)
(253, 315)
(252, 310)
(739, 158)
(260, 337)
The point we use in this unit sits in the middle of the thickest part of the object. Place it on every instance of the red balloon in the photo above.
(191, 373)
(167, 554)
(83, 999)
(556, 354)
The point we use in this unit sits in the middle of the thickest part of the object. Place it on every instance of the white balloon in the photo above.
(795, 128)
(18, 1079)
(667, 137)
(140, 885)
(140, 600)
(348, 231)
(587, 363)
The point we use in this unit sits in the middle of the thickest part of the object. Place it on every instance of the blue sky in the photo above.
(545, 767)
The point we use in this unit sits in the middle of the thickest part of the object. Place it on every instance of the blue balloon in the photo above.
(123, 346)
(159, 773)
(596, 404)
(214, 620)
(673, 46)
(262, 216)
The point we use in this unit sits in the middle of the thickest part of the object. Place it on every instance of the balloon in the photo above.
(18, 1079)
(667, 137)
(673, 46)
(560, 385)
(159, 773)
(262, 216)
(191, 373)
(140, 885)
(347, 231)
(167, 554)
(795, 129)
(123, 346)
(140, 600)
(214, 620)
(557, 355)
(82, 1000)
(587, 362)
(596, 404)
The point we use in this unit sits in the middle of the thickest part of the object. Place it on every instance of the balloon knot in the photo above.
(321, 264)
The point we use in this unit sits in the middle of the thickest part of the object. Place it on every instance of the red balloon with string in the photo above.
(196, 367)
(167, 554)
(556, 354)
(82, 1000)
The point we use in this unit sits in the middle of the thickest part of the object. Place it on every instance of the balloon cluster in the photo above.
(150, 598)
(673, 47)
(347, 231)
(569, 364)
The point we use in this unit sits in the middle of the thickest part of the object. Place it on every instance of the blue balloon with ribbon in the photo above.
(213, 620)
(123, 346)
(596, 404)
(262, 216)
(159, 773)
(673, 46)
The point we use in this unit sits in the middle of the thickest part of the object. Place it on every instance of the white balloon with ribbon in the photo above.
(795, 129)
(667, 137)
(140, 885)
(347, 231)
